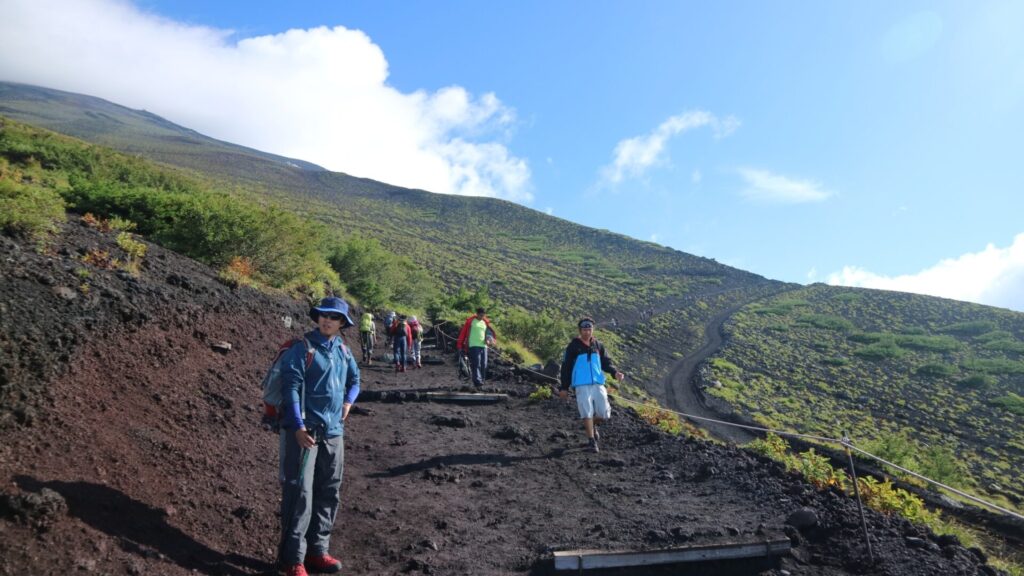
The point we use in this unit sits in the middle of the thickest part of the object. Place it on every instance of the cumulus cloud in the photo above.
(319, 95)
(768, 187)
(633, 157)
(993, 276)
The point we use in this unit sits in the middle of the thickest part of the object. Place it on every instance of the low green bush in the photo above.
(935, 370)
(29, 211)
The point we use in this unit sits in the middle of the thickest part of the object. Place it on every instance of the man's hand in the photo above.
(563, 394)
(620, 376)
(304, 439)
(344, 411)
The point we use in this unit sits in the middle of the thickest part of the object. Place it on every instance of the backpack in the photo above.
(417, 330)
(272, 398)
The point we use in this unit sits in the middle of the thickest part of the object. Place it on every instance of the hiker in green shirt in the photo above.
(476, 334)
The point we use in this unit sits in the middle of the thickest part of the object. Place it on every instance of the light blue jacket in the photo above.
(331, 381)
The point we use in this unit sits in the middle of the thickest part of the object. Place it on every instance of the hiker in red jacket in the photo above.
(476, 334)
(401, 342)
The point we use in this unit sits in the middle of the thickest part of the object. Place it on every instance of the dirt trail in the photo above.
(679, 385)
(143, 454)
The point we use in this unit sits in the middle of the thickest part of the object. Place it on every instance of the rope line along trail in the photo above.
(844, 442)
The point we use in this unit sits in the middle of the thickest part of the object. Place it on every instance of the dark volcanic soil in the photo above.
(131, 445)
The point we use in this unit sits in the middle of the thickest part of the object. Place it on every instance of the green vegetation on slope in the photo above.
(903, 370)
(41, 171)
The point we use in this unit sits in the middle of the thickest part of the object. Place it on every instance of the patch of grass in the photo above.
(1013, 403)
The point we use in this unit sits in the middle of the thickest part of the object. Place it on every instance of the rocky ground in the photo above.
(130, 444)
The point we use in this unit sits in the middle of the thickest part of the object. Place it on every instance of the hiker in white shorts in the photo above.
(583, 368)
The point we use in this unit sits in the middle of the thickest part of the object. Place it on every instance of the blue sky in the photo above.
(863, 143)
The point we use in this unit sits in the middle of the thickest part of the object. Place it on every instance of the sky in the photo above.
(860, 143)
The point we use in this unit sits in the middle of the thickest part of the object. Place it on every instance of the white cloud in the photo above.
(994, 276)
(696, 177)
(765, 186)
(812, 274)
(654, 238)
(319, 94)
(634, 156)
(549, 210)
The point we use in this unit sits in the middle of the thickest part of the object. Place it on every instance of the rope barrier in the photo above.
(939, 484)
(825, 439)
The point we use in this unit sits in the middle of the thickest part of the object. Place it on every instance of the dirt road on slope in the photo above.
(681, 394)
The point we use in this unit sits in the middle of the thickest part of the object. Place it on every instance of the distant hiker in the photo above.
(476, 334)
(401, 342)
(389, 319)
(317, 400)
(417, 342)
(367, 336)
(583, 368)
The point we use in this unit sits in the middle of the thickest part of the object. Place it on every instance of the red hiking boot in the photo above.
(296, 570)
(324, 564)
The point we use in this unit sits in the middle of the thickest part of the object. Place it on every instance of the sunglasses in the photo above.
(332, 316)
(586, 325)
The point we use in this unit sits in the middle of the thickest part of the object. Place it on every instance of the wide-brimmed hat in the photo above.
(331, 304)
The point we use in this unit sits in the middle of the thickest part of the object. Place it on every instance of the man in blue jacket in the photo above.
(583, 368)
(319, 386)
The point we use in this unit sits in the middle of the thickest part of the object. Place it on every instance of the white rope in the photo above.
(939, 484)
(773, 431)
(824, 439)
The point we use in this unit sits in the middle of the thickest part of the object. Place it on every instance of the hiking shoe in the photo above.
(323, 564)
(597, 435)
(593, 446)
(296, 570)
(397, 368)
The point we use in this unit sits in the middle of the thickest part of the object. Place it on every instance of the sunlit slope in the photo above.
(948, 375)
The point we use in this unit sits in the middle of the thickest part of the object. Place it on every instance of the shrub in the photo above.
(660, 418)
(977, 382)
(133, 249)
(865, 337)
(1011, 402)
(880, 350)
(237, 273)
(378, 277)
(994, 365)
(941, 464)
(544, 334)
(928, 343)
(826, 322)
(935, 370)
(29, 211)
(974, 328)
(540, 393)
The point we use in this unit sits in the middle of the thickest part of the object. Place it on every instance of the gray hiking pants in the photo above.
(308, 509)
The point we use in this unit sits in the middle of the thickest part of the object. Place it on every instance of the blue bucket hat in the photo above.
(328, 305)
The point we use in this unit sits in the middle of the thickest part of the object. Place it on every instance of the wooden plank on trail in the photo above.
(480, 397)
(734, 547)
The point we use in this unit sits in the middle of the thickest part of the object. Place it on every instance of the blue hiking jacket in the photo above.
(584, 365)
(331, 381)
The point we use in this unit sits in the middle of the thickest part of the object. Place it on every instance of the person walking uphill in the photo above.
(417, 342)
(476, 334)
(583, 368)
(367, 336)
(401, 342)
(319, 386)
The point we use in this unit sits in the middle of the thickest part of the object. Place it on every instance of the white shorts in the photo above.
(593, 400)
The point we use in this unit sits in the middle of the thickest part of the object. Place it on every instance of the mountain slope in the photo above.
(145, 455)
(661, 300)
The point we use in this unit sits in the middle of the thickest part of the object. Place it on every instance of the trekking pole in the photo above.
(295, 501)
(856, 491)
